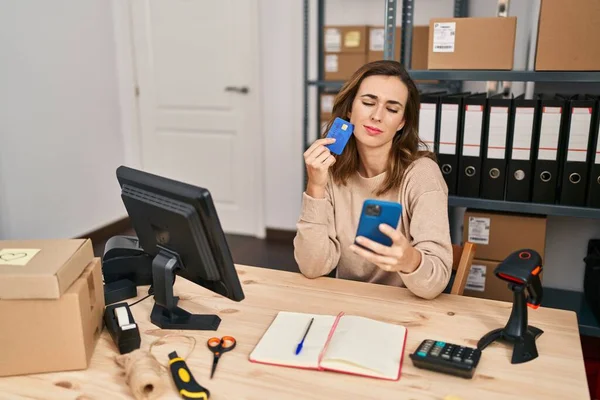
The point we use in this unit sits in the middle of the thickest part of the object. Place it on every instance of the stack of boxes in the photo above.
(345, 51)
(496, 236)
(347, 48)
(51, 305)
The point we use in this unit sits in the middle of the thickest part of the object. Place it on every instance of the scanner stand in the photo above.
(516, 331)
(165, 313)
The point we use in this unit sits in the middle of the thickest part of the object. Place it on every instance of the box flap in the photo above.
(41, 269)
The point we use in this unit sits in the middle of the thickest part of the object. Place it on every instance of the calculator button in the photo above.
(457, 356)
(436, 351)
(447, 352)
(422, 354)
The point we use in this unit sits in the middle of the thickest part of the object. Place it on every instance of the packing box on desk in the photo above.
(41, 269)
(497, 234)
(568, 37)
(47, 335)
(472, 43)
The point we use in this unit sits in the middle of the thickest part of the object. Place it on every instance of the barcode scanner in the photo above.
(521, 270)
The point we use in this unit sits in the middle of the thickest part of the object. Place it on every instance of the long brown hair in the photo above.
(405, 145)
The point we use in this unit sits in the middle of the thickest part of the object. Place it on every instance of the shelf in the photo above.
(477, 75)
(573, 301)
(515, 76)
(524, 208)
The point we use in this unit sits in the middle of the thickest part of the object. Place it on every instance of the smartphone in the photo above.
(374, 213)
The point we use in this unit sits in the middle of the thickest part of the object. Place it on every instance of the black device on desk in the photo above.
(122, 327)
(125, 265)
(521, 270)
(177, 226)
(445, 357)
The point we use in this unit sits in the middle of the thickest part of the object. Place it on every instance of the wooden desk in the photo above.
(558, 372)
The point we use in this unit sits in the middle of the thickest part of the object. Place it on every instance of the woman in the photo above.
(381, 160)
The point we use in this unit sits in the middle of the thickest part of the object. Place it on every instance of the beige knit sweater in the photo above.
(327, 227)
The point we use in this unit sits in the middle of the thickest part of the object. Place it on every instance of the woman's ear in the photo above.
(401, 125)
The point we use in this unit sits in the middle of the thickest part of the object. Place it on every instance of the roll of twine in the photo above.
(144, 374)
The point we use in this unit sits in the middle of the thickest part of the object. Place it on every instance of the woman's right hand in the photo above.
(318, 159)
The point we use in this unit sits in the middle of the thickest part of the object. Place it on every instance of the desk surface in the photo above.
(558, 372)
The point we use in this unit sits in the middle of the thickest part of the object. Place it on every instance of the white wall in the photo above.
(281, 77)
(59, 119)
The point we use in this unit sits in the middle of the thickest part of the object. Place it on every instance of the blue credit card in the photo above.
(340, 131)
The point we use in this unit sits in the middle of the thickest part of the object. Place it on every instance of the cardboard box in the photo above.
(497, 235)
(46, 335)
(420, 40)
(472, 43)
(482, 282)
(326, 106)
(41, 269)
(341, 66)
(568, 37)
(345, 39)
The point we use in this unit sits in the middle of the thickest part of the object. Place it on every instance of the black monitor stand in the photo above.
(165, 313)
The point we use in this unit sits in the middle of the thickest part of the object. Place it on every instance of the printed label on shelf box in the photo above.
(376, 39)
(476, 278)
(333, 40)
(331, 63)
(479, 230)
(444, 34)
(327, 103)
(352, 39)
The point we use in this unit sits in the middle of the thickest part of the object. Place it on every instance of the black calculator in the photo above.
(447, 358)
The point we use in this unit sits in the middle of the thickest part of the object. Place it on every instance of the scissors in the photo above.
(218, 347)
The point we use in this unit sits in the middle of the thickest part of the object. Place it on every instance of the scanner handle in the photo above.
(534, 289)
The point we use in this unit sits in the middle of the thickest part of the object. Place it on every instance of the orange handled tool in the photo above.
(219, 346)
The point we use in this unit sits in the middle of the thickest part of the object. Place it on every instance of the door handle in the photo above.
(242, 90)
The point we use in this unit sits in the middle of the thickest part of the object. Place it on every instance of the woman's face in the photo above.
(378, 110)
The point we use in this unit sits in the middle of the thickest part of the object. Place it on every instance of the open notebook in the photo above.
(346, 343)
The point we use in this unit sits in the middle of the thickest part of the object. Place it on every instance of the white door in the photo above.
(197, 70)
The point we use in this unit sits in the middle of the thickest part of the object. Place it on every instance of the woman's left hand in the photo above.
(400, 256)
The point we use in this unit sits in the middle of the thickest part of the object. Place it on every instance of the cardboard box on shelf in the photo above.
(326, 106)
(345, 39)
(41, 269)
(568, 37)
(472, 43)
(419, 45)
(341, 66)
(484, 284)
(497, 234)
(46, 335)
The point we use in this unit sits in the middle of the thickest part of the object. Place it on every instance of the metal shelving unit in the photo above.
(524, 208)
(451, 79)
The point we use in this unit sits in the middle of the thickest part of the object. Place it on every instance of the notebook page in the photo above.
(278, 344)
(365, 346)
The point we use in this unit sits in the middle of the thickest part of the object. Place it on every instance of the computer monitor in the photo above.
(177, 224)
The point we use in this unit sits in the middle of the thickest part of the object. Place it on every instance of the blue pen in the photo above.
(299, 347)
